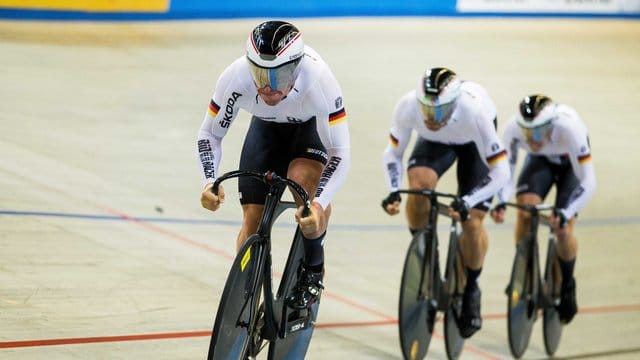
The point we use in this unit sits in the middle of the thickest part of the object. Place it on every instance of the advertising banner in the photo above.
(89, 5)
(551, 6)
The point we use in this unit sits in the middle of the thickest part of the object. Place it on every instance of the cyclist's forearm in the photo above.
(392, 168)
(209, 155)
(333, 176)
(496, 180)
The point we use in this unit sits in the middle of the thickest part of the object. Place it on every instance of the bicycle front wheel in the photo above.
(418, 306)
(456, 278)
(521, 304)
(238, 315)
(551, 325)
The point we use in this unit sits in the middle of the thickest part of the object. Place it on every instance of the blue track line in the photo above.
(626, 220)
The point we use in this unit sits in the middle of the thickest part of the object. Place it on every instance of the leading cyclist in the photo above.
(556, 142)
(454, 119)
(298, 128)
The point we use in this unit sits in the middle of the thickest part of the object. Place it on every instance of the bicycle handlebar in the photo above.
(269, 178)
(443, 209)
(535, 210)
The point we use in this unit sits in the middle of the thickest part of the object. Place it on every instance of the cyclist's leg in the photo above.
(427, 163)
(523, 219)
(417, 207)
(306, 172)
(306, 159)
(251, 214)
(474, 241)
(566, 183)
(566, 243)
(306, 165)
(257, 154)
(473, 246)
(534, 183)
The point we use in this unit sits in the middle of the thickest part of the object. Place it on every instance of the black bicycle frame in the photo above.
(273, 207)
(532, 246)
(437, 208)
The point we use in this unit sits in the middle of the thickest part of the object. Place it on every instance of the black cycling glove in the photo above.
(499, 206)
(390, 199)
(462, 208)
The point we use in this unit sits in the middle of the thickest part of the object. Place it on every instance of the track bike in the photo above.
(528, 292)
(245, 325)
(424, 292)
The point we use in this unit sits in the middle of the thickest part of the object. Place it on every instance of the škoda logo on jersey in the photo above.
(228, 110)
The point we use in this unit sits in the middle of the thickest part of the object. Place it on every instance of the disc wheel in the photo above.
(551, 325)
(454, 342)
(234, 326)
(521, 305)
(417, 308)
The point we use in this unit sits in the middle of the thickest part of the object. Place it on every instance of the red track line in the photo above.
(609, 309)
(100, 339)
(175, 335)
(389, 320)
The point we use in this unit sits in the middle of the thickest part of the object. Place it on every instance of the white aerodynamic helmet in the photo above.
(437, 92)
(274, 51)
(536, 114)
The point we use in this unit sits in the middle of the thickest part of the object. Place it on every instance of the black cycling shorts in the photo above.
(271, 146)
(471, 171)
(539, 173)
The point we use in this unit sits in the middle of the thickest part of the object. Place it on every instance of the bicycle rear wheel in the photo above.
(418, 307)
(552, 327)
(296, 330)
(454, 342)
(521, 304)
(237, 316)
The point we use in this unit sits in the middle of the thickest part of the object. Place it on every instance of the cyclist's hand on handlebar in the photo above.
(311, 225)
(209, 200)
(497, 213)
(391, 204)
(459, 210)
(559, 219)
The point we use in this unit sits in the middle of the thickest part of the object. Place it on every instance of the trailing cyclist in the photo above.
(298, 129)
(556, 142)
(454, 119)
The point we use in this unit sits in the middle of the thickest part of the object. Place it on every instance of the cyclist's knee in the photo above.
(305, 172)
(524, 217)
(473, 227)
(421, 177)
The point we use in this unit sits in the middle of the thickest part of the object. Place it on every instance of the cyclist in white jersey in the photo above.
(298, 129)
(454, 119)
(556, 142)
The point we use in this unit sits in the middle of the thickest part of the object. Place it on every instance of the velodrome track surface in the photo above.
(105, 252)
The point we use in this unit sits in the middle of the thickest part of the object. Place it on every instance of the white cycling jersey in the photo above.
(316, 93)
(569, 138)
(471, 122)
